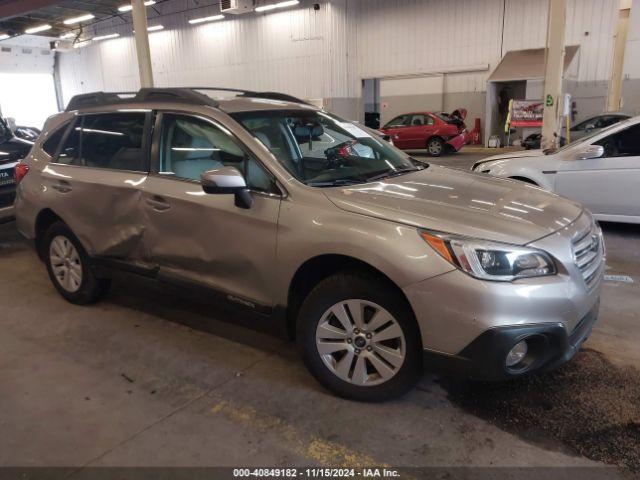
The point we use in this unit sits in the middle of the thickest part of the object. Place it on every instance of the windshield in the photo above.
(5, 133)
(322, 150)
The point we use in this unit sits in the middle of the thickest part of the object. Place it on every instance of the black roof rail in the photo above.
(253, 94)
(99, 99)
(173, 94)
(96, 99)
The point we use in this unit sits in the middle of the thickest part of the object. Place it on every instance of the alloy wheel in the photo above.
(435, 148)
(65, 263)
(360, 342)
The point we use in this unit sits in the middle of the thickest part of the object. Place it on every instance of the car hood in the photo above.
(464, 203)
(516, 154)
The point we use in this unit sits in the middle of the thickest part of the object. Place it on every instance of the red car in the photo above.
(437, 132)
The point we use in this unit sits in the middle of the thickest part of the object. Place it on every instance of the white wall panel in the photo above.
(326, 53)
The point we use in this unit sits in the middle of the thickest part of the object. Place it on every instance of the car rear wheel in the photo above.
(435, 147)
(69, 267)
(359, 338)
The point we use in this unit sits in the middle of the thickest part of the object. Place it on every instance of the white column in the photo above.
(615, 82)
(141, 35)
(554, 69)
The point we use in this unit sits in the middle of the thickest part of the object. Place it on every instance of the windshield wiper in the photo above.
(394, 173)
(340, 182)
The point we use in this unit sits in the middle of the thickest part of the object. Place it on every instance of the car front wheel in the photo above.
(359, 338)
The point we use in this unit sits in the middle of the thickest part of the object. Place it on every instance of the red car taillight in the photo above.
(20, 172)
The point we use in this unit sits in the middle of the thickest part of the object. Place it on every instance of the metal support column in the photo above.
(615, 82)
(554, 69)
(142, 42)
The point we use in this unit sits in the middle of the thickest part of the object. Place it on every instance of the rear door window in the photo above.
(401, 121)
(114, 141)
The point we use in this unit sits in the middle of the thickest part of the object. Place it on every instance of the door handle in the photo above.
(158, 203)
(62, 186)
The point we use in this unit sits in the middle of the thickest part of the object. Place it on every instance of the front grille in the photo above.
(588, 254)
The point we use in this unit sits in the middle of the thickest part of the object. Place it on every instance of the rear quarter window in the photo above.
(50, 145)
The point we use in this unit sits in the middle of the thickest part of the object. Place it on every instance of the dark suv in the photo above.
(12, 150)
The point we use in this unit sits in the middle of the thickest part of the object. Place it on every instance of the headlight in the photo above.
(490, 260)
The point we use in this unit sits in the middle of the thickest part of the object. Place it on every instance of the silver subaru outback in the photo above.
(377, 264)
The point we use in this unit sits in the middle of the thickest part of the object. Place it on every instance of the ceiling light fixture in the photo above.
(273, 6)
(213, 18)
(155, 28)
(67, 35)
(81, 18)
(39, 28)
(128, 8)
(105, 37)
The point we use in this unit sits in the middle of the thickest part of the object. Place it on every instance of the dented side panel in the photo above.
(102, 207)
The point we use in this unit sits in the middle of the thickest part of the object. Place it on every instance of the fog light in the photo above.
(516, 354)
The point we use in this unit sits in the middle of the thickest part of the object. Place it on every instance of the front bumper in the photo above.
(550, 346)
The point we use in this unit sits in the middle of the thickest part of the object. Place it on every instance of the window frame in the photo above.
(158, 133)
(146, 140)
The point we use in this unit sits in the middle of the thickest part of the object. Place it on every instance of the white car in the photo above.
(601, 171)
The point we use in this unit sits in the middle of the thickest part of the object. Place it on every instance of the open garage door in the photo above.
(29, 98)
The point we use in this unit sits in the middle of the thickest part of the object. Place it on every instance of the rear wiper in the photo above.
(394, 173)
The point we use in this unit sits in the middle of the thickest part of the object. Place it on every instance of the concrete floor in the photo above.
(149, 377)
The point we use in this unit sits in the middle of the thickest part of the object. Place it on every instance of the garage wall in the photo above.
(326, 53)
(631, 79)
(299, 51)
(401, 95)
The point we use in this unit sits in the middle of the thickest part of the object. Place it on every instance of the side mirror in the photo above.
(226, 181)
(591, 151)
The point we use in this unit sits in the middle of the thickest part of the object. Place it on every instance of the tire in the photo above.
(353, 369)
(436, 147)
(70, 268)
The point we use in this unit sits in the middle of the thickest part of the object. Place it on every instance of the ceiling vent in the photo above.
(236, 6)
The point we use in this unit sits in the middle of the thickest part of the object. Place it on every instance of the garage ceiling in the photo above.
(18, 15)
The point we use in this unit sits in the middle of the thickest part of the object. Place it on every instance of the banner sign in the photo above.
(526, 113)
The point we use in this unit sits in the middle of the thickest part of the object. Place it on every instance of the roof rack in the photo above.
(178, 94)
(99, 99)
(253, 94)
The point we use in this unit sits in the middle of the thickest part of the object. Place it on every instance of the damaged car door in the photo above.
(209, 239)
(94, 181)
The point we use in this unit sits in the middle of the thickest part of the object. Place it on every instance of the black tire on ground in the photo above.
(91, 288)
(436, 147)
(364, 286)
